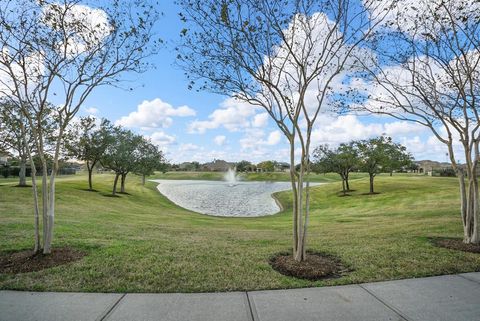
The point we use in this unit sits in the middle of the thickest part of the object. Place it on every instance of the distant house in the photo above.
(282, 167)
(429, 167)
(217, 165)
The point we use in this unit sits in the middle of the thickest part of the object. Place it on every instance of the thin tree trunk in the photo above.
(371, 183)
(23, 172)
(143, 179)
(346, 182)
(114, 190)
(299, 255)
(90, 171)
(122, 185)
(36, 209)
(293, 178)
(44, 201)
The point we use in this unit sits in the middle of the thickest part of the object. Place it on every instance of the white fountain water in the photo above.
(231, 176)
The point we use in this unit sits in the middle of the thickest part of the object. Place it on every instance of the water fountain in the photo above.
(231, 176)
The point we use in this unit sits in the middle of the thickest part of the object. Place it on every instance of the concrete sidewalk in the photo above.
(441, 298)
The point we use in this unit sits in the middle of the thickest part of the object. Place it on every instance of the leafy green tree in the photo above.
(266, 166)
(87, 142)
(121, 155)
(341, 160)
(149, 160)
(14, 136)
(377, 154)
(243, 166)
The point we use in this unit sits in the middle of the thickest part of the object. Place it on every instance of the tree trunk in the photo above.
(122, 184)
(143, 179)
(90, 172)
(343, 186)
(114, 190)
(44, 200)
(22, 175)
(391, 173)
(346, 182)
(371, 183)
(293, 179)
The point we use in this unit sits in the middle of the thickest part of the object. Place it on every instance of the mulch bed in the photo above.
(25, 261)
(455, 244)
(317, 266)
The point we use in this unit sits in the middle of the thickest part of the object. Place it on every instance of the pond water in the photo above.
(219, 198)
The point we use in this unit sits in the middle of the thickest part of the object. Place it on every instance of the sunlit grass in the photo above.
(143, 243)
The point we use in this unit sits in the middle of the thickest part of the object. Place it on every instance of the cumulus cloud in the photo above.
(220, 140)
(232, 115)
(154, 114)
(260, 120)
(188, 147)
(91, 110)
(162, 139)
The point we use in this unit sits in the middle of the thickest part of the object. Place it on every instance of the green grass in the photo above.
(143, 243)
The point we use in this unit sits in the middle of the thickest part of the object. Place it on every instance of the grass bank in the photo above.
(141, 242)
(274, 176)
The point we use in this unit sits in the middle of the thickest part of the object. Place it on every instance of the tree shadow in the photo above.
(111, 195)
(374, 193)
(88, 190)
(22, 186)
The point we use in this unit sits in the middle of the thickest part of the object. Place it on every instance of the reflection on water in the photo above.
(244, 199)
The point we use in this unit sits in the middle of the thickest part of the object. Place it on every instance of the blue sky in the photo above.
(190, 125)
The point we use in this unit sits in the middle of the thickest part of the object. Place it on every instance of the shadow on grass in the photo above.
(88, 190)
(124, 193)
(22, 186)
(374, 193)
(111, 195)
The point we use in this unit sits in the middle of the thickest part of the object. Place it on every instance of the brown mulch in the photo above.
(316, 266)
(25, 261)
(455, 244)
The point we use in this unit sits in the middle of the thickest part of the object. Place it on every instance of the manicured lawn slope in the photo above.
(143, 243)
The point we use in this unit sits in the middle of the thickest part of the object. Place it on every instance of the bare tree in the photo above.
(428, 72)
(60, 52)
(286, 56)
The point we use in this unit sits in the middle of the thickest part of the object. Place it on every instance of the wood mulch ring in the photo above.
(25, 261)
(455, 244)
(316, 266)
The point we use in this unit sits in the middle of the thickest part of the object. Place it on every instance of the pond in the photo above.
(219, 198)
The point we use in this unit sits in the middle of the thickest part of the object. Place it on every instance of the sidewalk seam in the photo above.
(467, 278)
(395, 310)
(251, 308)
(110, 310)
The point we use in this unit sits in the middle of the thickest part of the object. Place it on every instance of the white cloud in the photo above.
(232, 115)
(154, 114)
(274, 138)
(161, 139)
(188, 147)
(91, 110)
(260, 120)
(403, 128)
(220, 140)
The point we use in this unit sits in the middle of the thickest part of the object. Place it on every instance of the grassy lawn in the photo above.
(143, 243)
